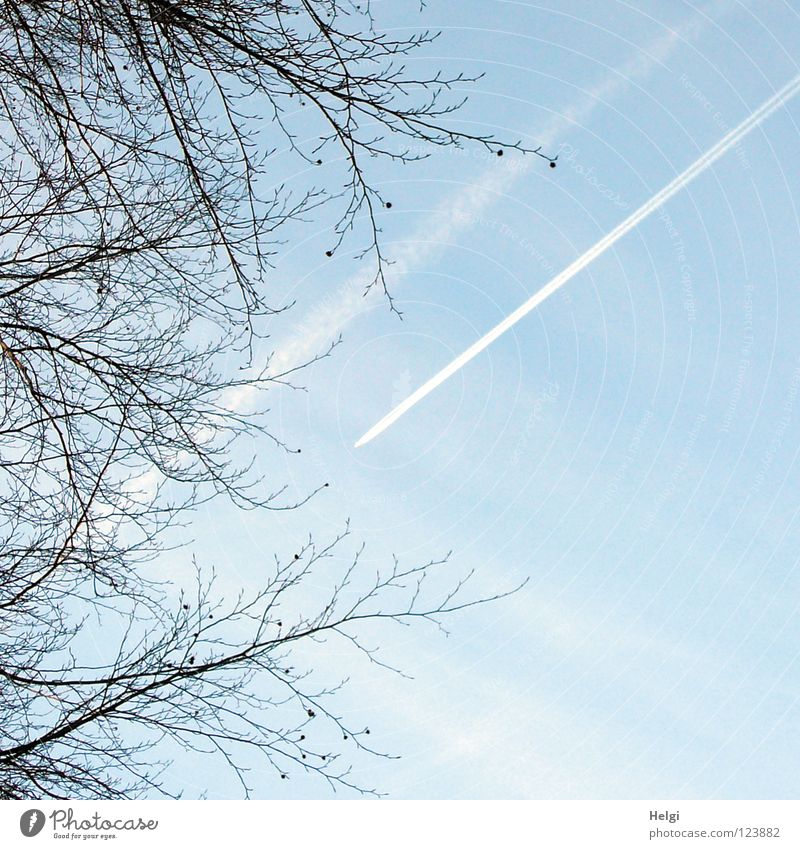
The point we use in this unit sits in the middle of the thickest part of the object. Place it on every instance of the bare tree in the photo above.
(135, 247)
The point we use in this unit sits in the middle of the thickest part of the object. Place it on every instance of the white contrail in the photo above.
(705, 161)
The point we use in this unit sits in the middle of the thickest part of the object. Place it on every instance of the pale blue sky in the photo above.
(630, 447)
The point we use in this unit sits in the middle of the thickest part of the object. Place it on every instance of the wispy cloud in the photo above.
(457, 213)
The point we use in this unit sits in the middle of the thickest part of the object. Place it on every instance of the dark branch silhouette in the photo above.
(136, 237)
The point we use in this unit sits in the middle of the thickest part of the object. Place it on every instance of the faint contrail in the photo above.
(705, 161)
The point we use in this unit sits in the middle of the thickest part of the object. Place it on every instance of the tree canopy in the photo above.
(137, 231)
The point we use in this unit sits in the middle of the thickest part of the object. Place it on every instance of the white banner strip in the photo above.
(365, 825)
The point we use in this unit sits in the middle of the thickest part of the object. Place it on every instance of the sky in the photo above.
(629, 448)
